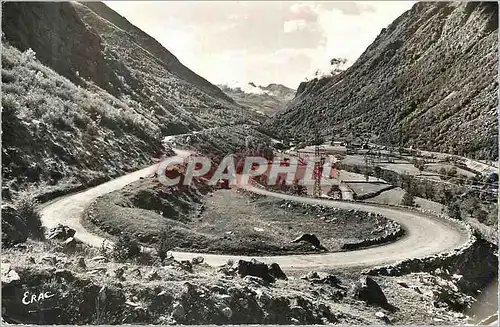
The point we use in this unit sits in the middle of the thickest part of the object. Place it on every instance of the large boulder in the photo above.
(14, 229)
(254, 268)
(309, 238)
(369, 291)
(276, 272)
(259, 269)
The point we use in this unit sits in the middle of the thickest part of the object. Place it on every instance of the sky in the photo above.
(237, 42)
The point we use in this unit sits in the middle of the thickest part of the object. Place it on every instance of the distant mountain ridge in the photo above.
(429, 80)
(267, 99)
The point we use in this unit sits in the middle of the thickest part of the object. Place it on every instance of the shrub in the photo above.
(28, 56)
(27, 204)
(470, 205)
(442, 173)
(419, 164)
(408, 200)
(481, 215)
(452, 172)
(298, 189)
(454, 210)
(125, 248)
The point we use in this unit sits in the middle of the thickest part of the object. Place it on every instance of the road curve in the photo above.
(425, 235)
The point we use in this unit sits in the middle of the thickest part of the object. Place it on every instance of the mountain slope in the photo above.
(266, 99)
(428, 80)
(79, 42)
(95, 96)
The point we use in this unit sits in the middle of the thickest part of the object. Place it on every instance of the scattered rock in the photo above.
(20, 246)
(65, 274)
(197, 260)
(316, 278)
(403, 284)
(81, 263)
(186, 265)
(255, 280)
(98, 271)
(227, 312)
(99, 259)
(132, 304)
(61, 232)
(136, 272)
(119, 272)
(312, 275)
(49, 259)
(382, 316)
(229, 269)
(31, 260)
(153, 275)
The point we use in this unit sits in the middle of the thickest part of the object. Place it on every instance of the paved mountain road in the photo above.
(425, 235)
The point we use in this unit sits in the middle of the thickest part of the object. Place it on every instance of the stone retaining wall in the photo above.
(393, 232)
(429, 263)
(475, 262)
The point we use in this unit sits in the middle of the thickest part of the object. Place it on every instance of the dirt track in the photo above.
(426, 235)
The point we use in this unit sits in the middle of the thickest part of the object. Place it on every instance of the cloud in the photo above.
(294, 25)
(263, 42)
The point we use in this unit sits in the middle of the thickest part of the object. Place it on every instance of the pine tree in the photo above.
(408, 200)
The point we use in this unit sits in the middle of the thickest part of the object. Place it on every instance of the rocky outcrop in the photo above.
(429, 80)
(322, 278)
(14, 228)
(89, 301)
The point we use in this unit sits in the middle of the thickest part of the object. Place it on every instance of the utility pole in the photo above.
(318, 165)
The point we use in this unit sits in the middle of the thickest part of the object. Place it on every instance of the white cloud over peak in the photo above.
(294, 25)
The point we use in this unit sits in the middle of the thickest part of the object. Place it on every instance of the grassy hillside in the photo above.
(55, 131)
(428, 80)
